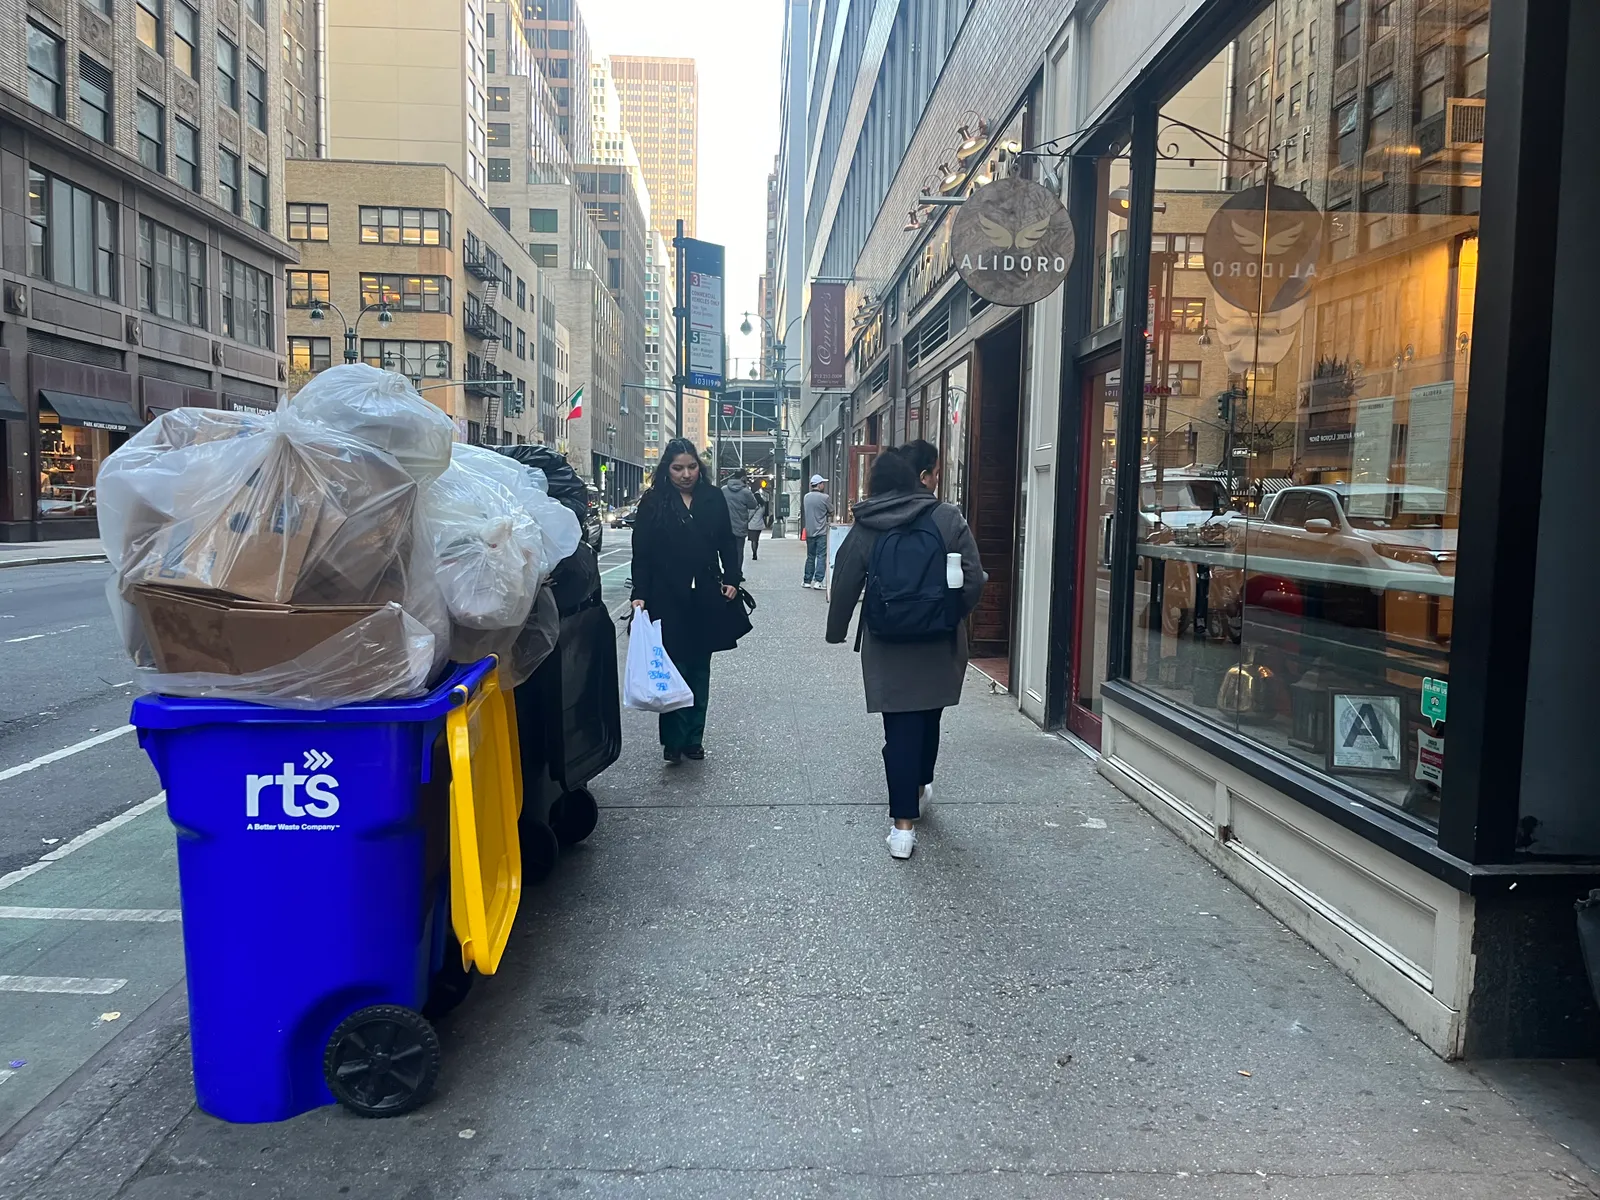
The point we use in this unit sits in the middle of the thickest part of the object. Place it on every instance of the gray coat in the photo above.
(742, 504)
(905, 676)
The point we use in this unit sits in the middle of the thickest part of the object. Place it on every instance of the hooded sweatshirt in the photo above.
(742, 505)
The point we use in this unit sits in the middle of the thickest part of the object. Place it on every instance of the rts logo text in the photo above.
(320, 798)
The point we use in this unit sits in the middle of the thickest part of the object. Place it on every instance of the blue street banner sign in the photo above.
(702, 264)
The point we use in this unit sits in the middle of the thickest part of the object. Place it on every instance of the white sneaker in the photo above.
(901, 842)
(924, 800)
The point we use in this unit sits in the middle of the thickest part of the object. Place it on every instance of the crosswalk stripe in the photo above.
(157, 915)
(66, 985)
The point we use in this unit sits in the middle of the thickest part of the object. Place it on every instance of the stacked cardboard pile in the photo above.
(290, 558)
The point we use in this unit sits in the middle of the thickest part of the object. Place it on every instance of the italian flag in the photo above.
(576, 403)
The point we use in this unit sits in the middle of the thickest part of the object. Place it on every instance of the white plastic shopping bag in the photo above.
(652, 683)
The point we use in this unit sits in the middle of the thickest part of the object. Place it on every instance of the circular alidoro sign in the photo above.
(1262, 247)
(1012, 241)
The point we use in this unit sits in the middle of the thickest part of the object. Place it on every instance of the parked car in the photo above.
(593, 527)
(622, 518)
(1383, 526)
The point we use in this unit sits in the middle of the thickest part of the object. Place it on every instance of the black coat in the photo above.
(681, 558)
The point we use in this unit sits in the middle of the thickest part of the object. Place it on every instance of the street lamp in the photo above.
(781, 366)
(385, 318)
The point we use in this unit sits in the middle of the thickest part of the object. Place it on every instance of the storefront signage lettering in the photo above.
(1262, 246)
(1012, 241)
(933, 267)
(827, 335)
(1430, 759)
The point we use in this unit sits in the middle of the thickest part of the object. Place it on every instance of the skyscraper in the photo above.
(560, 42)
(660, 100)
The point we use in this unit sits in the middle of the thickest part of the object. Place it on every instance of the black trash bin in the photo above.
(569, 719)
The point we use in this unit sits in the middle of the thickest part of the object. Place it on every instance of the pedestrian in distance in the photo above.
(753, 528)
(916, 562)
(924, 459)
(686, 572)
(743, 505)
(816, 512)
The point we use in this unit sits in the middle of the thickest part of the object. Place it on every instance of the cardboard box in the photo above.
(193, 631)
(319, 520)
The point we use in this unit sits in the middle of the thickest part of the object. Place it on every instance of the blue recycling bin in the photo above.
(314, 865)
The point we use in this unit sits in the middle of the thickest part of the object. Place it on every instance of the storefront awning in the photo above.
(92, 412)
(11, 409)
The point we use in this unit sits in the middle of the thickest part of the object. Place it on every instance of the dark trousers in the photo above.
(754, 538)
(686, 727)
(910, 752)
(816, 557)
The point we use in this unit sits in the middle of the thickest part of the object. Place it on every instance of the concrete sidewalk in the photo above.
(31, 554)
(733, 991)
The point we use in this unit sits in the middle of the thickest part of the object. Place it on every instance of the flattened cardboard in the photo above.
(193, 631)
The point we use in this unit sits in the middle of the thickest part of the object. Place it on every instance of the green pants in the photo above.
(686, 727)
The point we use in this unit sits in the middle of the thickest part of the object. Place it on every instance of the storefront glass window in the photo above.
(1300, 486)
(69, 462)
(952, 439)
(1111, 239)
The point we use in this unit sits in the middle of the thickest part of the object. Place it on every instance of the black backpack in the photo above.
(907, 598)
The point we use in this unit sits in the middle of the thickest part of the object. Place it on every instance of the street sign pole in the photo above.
(677, 316)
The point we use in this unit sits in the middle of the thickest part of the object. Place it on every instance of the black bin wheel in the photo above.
(575, 815)
(382, 1061)
(540, 849)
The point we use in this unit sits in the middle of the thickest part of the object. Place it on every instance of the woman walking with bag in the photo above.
(918, 563)
(754, 527)
(686, 573)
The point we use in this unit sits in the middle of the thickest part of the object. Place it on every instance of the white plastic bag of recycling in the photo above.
(652, 683)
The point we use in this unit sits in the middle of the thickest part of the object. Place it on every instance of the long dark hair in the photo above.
(922, 455)
(892, 472)
(653, 504)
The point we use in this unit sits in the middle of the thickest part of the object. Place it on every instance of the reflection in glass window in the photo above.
(1300, 486)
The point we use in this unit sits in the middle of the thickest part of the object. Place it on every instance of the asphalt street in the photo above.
(90, 935)
(731, 990)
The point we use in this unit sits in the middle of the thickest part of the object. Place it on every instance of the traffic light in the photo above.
(1225, 407)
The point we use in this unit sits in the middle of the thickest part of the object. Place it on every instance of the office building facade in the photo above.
(660, 109)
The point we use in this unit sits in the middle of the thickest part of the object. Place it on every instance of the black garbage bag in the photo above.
(576, 580)
(564, 483)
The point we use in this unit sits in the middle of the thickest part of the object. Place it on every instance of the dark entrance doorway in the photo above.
(992, 509)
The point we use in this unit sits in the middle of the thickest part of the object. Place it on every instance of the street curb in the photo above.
(62, 558)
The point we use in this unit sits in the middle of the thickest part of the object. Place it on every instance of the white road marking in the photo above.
(61, 985)
(155, 915)
(618, 567)
(6, 1073)
(33, 637)
(45, 760)
(83, 839)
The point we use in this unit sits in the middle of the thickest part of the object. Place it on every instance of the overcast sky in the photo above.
(736, 46)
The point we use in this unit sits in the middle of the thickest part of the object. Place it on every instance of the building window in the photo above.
(258, 11)
(1187, 249)
(407, 293)
(227, 73)
(1382, 16)
(499, 134)
(246, 303)
(544, 220)
(172, 274)
(150, 118)
(1380, 113)
(258, 200)
(503, 215)
(72, 235)
(546, 254)
(94, 99)
(1346, 31)
(1184, 378)
(522, 344)
(309, 355)
(147, 23)
(185, 37)
(499, 99)
(1430, 83)
(306, 288)
(255, 89)
(558, 68)
(1187, 315)
(499, 170)
(1475, 60)
(1347, 131)
(1297, 101)
(228, 180)
(522, 294)
(186, 149)
(45, 72)
(488, 62)
(308, 222)
(429, 360)
(405, 226)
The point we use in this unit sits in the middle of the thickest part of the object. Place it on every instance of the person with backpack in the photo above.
(917, 563)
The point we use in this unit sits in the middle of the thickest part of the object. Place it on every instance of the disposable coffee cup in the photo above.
(952, 570)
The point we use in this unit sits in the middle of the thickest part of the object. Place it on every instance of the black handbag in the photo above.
(739, 610)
